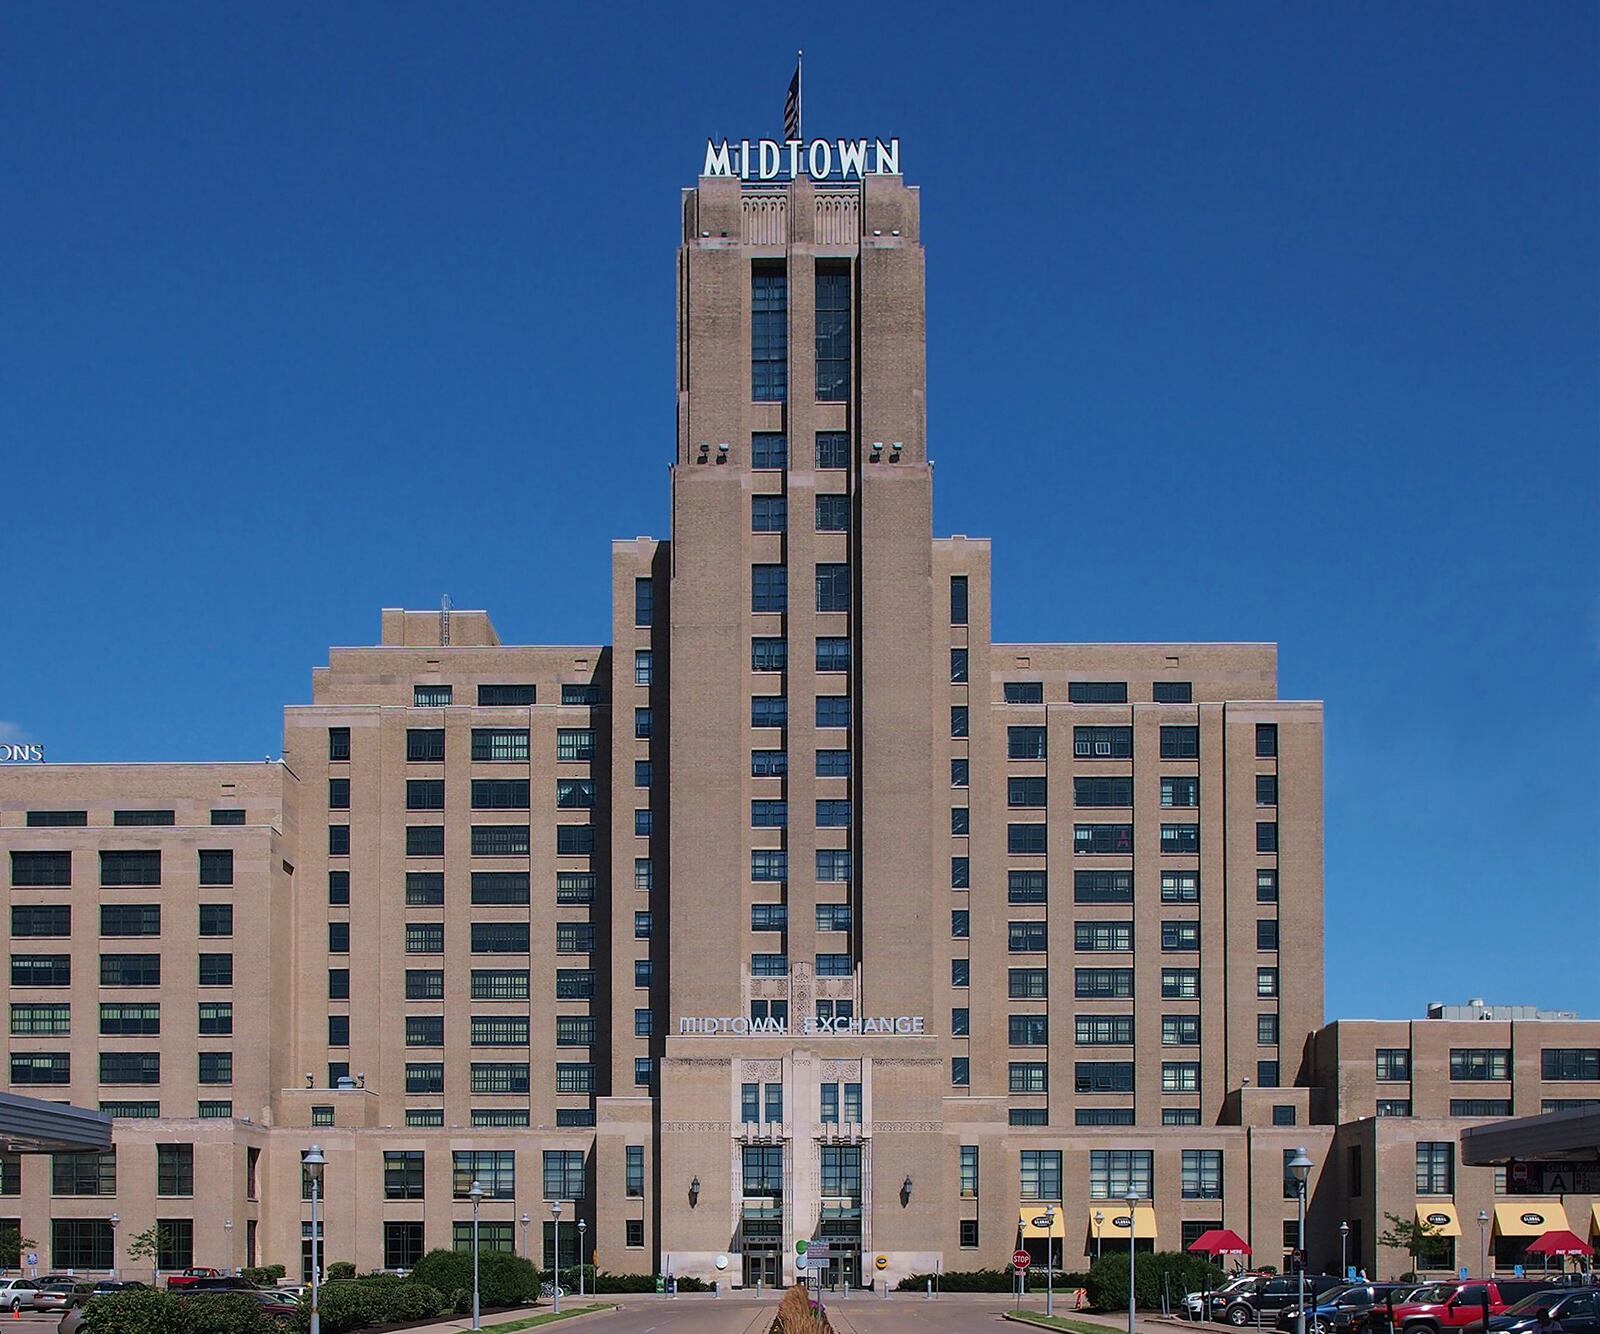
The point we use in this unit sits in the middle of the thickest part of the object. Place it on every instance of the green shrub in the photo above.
(264, 1276)
(503, 1279)
(604, 1282)
(961, 1280)
(1171, 1273)
(360, 1303)
(161, 1312)
(689, 1283)
(340, 1269)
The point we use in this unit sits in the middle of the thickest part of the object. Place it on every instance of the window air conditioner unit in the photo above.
(1102, 748)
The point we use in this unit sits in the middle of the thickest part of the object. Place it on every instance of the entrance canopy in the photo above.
(1114, 1226)
(1027, 1213)
(1530, 1218)
(1219, 1241)
(1570, 1136)
(1441, 1219)
(30, 1125)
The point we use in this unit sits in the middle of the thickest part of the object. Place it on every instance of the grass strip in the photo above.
(549, 1317)
(1055, 1322)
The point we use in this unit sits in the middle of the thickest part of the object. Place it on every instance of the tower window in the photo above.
(833, 333)
(769, 333)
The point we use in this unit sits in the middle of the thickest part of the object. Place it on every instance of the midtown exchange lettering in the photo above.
(900, 1025)
(21, 752)
(820, 159)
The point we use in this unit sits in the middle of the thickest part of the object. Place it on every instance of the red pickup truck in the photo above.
(1450, 1306)
(187, 1278)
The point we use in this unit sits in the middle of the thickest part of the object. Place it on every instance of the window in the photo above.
(216, 919)
(430, 697)
(959, 724)
(127, 1020)
(1103, 1076)
(1115, 743)
(1172, 692)
(402, 1244)
(772, 710)
(958, 599)
(424, 840)
(499, 794)
(769, 514)
(960, 924)
(574, 794)
(1026, 937)
(643, 601)
(1266, 836)
(574, 840)
(512, 984)
(833, 764)
(1027, 983)
(1180, 791)
(1480, 1063)
(958, 666)
(1025, 743)
(1028, 1077)
(833, 587)
(1095, 839)
(339, 984)
(31, 1020)
(422, 984)
(216, 1067)
(500, 937)
(768, 814)
(338, 794)
(1267, 1074)
(833, 449)
(1180, 1030)
(642, 724)
(961, 972)
(493, 1169)
(45, 920)
(960, 1022)
(1025, 886)
(1266, 740)
(1113, 983)
(769, 450)
(643, 1023)
(1028, 1030)
(216, 970)
(959, 772)
(130, 1067)
(81, 1243)
(769, 965)
(1180, 743)
(130, 970)
(424, 1077)
(1480, 1106)
(1436, 1167)
(1180, 838)
(769, 866)
(41, 970)
(769, 333)
(174, 1169)
(493, 888)
(834, 965)
(1040, 1174)
(1561, 1063)
(574, 743)
(1102, 886)
(641, 926)
(571, 937)
(1103, 791)
(137, 868)
(571, 1077)
(1394, 1107)
(832, 916)
(48, 870)
(833, 513)
(41, 1067)
(633, 1171)
(1283, 1114)
(1091, 937)
(223, 816)
(1266, 886)
(500, 744)
(338, 744)
(1267, 1030)
(644, 877)
(833, 337)
(641, 773)
(421, 937)
(424, 744)
(1394, 1063)
(1023, 692)
(1180, 935)
(833, 654)
(1180, 1076)
(57, 819)
(563, 1174)
(136, 818)
(769, 653)
(1180, 887)
(1266, 789)
(833, 711)
(1267, 933)
(1097, 692)
(1103, 1030)
(572, 1030)
(424, 1030)
(642, 822)
(1266, 981)
(136, 1110)
(1202, 1174)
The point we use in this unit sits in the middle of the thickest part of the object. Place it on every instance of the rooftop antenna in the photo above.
(444, 620)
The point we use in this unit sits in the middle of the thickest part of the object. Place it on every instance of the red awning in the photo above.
(1219, 1241)
(1559, 1242)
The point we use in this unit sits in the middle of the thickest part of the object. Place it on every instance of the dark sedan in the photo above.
(1577, 1310)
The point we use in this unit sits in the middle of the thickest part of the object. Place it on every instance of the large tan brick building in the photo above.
(801, 909)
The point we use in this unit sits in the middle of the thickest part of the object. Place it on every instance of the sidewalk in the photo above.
(490, 1319)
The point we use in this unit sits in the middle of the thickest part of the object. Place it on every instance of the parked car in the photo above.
(1264, 1298)
(1577, 1310)
(270, 1303)
(188, 1278)
(1451, 1306)
(1193, 1305)
(16, 1294)
(224, 1282)
(119, 1285)
(291, 1292)
(1338, 1310)
(60, 1296)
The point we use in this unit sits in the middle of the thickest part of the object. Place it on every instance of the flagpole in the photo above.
(799, 95)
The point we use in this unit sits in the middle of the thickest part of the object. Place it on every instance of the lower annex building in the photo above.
(903, 938)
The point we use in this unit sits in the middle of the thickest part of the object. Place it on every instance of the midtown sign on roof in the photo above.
(820, 159)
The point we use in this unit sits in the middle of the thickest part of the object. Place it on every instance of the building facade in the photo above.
(800, 910)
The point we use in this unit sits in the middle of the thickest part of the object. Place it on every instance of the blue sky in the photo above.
(1280, 321)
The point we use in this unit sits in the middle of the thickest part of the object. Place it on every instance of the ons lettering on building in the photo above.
(789, 159)
(21, 752)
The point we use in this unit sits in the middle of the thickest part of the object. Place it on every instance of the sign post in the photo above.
(1020, 1261)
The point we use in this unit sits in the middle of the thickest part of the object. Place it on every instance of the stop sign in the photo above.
(1022, 1259)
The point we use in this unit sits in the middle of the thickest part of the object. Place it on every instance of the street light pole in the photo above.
(313, 1162)
(1300, 1168)
(1344, 1253)
(475, 1194)
(227, 1234)
(1132, 1198)
(1099, 1218)
(113, 1220)
(555, 1213)
(1049, 1249)
(582, 1228)
(1483, 1253)
(525, 1220)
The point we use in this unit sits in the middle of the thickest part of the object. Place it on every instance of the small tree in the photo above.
(12, 1245)
(1418, 1238)
(151, 1245)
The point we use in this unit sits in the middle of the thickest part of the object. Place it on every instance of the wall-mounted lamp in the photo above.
(722, 453)
(894, 456)
(905, 1191)
(311, 1080)
(694, 1192)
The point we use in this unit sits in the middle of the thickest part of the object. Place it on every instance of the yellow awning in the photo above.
(1441, 1219)
(1144, 1221)
(1529, 1218)
(1028, 1212)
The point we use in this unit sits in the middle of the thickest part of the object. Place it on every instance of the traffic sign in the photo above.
(801, 1246)
(33, 1258)
(1022, 1259)
(800, 1264)
(882, 1262)
(818, 1250)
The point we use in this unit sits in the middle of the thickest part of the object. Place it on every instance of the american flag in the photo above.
(791, 107)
